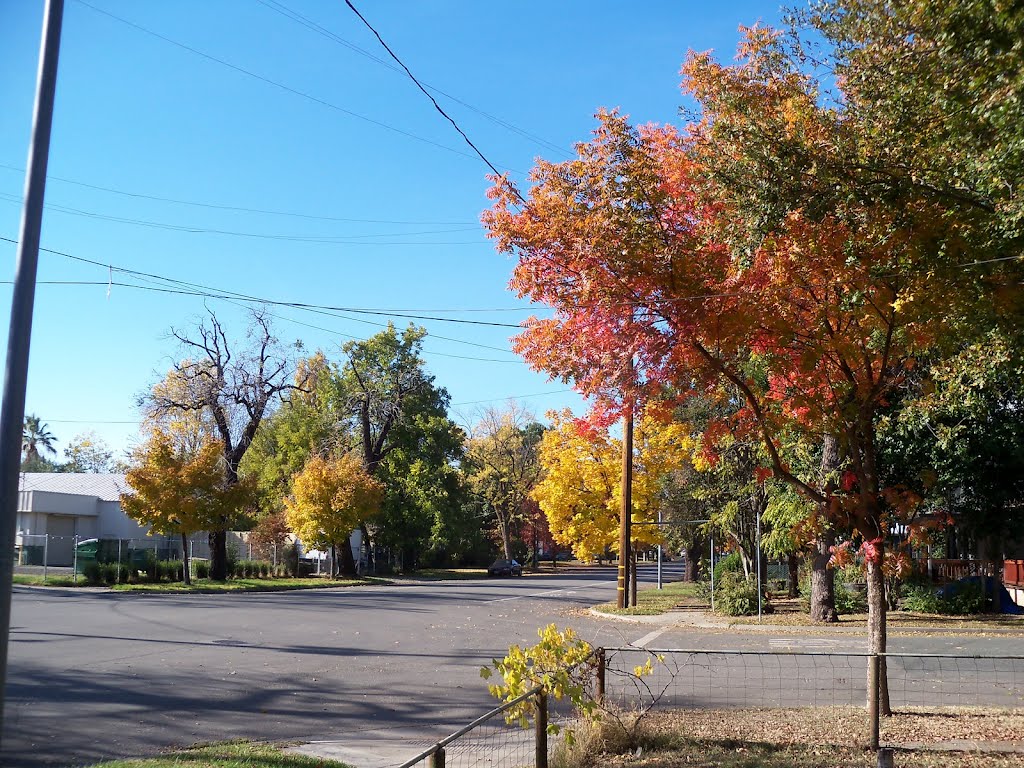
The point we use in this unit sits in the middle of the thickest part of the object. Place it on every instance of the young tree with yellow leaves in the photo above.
(580, 488)
(180, 492)
(330, 498)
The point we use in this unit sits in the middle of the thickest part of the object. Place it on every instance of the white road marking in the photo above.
(650, 636)
(803, 642)
(567, 590)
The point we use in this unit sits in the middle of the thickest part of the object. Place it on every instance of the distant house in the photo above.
(55, 507)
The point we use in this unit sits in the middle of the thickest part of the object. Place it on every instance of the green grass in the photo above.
(228, 755)
(33, 580)
(652, 601)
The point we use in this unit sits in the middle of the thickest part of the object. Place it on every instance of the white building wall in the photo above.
(115, 524)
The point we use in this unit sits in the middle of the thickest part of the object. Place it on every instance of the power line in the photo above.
(297, 17)
(426, 93)
(237, 208)
(199, 289)
(324, 239)
(276, 84)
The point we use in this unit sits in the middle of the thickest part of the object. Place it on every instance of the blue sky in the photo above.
(387, 195)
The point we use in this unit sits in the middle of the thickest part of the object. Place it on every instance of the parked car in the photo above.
(505, 568)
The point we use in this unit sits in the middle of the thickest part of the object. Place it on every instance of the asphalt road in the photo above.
(95, 675)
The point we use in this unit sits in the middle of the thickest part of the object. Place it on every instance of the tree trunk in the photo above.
(367, 547)
(348, 563)
(504, 528)
(823, 588)
(185, 575)
(794, 576)
(876, 628)
(694, 552)
(218, 555)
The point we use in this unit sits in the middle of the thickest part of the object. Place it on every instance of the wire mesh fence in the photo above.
(937, 699)
(936, 680)
(734, 678)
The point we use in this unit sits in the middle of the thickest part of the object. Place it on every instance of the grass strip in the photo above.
(235, 754)
(653, 601)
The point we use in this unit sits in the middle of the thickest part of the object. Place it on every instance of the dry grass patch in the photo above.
(791, 613)
(820, 737)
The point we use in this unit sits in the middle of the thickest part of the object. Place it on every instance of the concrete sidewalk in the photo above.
(702, 618)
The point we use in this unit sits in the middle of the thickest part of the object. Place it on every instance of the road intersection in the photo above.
(97, 674)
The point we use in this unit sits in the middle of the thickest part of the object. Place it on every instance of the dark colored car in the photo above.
(505, 568)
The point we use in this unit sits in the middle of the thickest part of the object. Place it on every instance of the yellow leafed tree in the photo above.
(330, 498)
(180, 492)
(581, 485)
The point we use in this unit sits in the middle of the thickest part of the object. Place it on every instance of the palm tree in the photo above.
(34, 437)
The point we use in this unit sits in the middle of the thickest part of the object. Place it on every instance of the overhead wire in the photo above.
(191, 229)
(305, 21)
(276, 84)
(433, 101)
(237, 208)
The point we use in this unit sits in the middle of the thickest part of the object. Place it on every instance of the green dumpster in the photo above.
(85, 553)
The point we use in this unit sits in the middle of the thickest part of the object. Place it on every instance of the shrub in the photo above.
(202, 569)
(93, 573)
(731, 563)
(736, 596)
(849, 600)
(960, 599)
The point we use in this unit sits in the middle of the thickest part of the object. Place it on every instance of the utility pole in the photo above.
(12, 417)
(626, 509)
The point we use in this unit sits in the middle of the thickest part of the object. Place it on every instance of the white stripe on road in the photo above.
(649, 637)
(567, 590)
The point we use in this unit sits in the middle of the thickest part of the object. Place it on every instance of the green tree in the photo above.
(503, 466)
(87, 453)
(36, 439)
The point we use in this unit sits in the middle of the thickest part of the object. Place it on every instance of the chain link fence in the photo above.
(52, 556)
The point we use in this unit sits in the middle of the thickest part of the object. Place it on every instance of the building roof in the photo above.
(105, 487)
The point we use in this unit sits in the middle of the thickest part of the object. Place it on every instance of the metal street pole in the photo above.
(626, 509)
(758, 567)
(659, 553)
(12, 417)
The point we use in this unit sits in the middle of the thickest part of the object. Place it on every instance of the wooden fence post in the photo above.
(542, 729)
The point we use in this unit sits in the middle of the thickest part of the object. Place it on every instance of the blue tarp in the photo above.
(988, 583)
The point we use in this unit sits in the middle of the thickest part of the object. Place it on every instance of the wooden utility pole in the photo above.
(626, 509)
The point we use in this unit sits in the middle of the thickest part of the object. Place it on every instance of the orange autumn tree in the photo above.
(179, 491)
(644, 253)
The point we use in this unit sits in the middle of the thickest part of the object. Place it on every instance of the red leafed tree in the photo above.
(643, 256)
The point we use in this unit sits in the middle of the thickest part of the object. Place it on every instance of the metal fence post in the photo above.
(46, 553)
(873, 666)
(600, 674)
(74, 560)
(437, 759)
(542, 729)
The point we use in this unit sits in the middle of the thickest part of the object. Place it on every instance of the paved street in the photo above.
(97, 674)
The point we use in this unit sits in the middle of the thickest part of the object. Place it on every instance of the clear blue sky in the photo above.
(398, 225)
